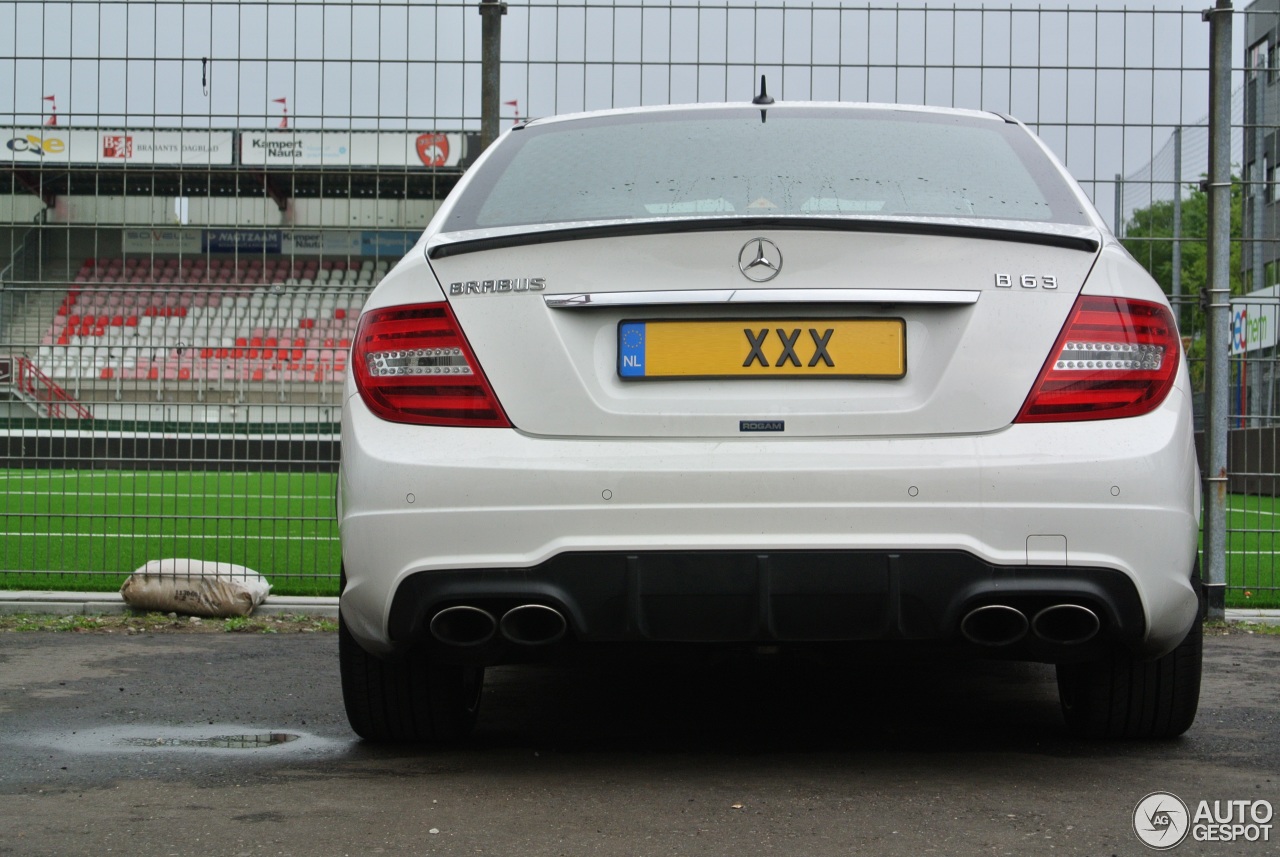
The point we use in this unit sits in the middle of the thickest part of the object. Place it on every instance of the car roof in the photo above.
(699, 107)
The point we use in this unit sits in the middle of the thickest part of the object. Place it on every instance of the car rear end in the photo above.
(816, 374)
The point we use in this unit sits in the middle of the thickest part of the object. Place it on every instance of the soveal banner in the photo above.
(351, 149)
(164, 240)
(45, 145)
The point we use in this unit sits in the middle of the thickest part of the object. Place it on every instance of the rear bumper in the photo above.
(777, 597)
(429, 515)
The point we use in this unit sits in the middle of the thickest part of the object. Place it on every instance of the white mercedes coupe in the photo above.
(783, 375)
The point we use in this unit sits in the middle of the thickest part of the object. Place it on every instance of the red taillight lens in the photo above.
(413, 365)
(1114, 358)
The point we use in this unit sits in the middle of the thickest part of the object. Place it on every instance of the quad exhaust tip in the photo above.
(1066, 624)
(533, 625)
(994, 625)
(463, 625)
(1002, 625)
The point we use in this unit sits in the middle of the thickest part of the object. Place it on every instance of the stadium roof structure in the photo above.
(52, 162)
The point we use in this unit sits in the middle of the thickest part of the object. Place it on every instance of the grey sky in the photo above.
(1103, 86)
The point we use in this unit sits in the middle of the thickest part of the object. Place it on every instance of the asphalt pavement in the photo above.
(236, 744)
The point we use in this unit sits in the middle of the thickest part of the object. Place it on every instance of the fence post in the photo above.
(1177, 225)
(1219, 306)
(1118, 226)
(491, 12)
(1257, 188)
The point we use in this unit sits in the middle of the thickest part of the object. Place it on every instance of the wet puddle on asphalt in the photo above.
(212, 738)
(217, 742)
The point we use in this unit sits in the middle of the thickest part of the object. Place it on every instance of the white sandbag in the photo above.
(195, 587)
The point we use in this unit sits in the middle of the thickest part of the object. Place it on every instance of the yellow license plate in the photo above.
(763, 348)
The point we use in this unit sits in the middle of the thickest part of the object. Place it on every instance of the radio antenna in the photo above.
(764, 99)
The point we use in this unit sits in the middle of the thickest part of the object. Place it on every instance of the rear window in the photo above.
(800, 161)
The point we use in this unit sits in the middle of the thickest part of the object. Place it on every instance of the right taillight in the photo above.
(1114, 358)
(413, 365)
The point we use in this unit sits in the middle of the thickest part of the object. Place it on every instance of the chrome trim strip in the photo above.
(763, 296)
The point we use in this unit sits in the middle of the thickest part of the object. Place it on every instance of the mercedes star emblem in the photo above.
(760, 260)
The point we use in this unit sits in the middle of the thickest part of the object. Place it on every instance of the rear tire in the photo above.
(1123, 697)
(410, 697)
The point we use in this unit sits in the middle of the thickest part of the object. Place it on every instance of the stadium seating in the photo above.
(208, 322)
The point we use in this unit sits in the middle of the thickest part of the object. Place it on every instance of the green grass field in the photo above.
(1253, 568)
(94, 527)
(88, 529)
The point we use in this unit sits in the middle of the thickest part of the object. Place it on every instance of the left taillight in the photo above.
(1114, 358)
(413, 365)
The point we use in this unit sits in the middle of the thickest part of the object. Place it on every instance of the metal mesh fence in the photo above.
(196, 197)
(1251, 523)
(1167, 231)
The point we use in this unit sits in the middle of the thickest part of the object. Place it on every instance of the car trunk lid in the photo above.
(972, 314)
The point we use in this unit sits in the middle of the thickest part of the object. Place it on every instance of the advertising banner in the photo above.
(242, 241)
(47, 145)
(300, 242)
(351, 149)
(387, 243)
(341, 243)
(1253, 321)
(163, 240)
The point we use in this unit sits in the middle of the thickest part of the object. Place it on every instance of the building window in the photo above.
(1258, 57)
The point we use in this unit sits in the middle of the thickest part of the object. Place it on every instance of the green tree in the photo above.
(1148, 235)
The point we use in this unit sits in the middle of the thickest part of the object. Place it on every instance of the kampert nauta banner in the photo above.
(302, 242)
(351, 149)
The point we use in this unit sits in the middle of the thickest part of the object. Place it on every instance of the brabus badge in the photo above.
(498, 287)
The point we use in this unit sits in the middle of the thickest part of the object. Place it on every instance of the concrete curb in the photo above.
(1257, 617)
(99, 603)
